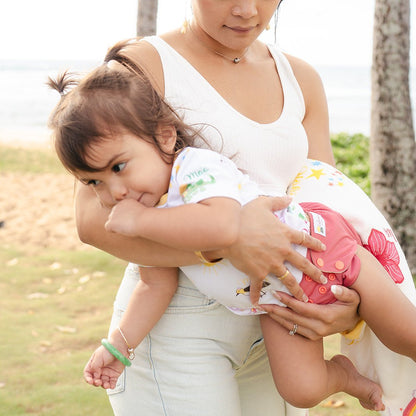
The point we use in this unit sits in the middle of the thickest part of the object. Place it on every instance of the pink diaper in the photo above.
(338, 262)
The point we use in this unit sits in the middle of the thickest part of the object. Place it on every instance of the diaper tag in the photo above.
(318, 224)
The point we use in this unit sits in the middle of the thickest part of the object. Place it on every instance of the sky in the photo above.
(322, 32)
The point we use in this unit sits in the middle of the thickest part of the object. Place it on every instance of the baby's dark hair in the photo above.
(110, 100)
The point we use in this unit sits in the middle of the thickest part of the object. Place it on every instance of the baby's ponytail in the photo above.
(63, 82)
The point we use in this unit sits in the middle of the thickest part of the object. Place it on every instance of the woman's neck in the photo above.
(200, 38)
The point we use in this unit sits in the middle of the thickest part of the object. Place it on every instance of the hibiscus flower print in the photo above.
(386, 253)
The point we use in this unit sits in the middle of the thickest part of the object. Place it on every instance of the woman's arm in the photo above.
(316, 321)
(316, 120)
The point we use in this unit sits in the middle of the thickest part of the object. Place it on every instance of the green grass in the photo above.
(55, 307)
(352, 157)
(28, 160)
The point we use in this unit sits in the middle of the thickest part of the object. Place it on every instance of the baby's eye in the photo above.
(118, 167)
(92, 182)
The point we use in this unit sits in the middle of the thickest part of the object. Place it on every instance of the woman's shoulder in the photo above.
(304, 72)
(308, 78)
(144, 52)
(146, 56)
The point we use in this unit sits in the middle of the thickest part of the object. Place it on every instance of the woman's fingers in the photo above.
(277, 203)
(345, 295)
(316, 321)
(286, 278)
(292, 285)
(309, 328)
(265, 243)
(304, 265)
(255, 288)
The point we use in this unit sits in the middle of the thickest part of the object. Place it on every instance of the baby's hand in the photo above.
(103, 369)
(124, 217)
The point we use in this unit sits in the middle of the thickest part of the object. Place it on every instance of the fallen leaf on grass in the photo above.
(12, 262)
(84, 279)
(99, 274)
(61, 290)
(55, 266)
(334, 404)
(71, 271)
(37, 295)
(66, 329)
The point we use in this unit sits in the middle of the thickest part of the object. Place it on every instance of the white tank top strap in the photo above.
(290, 85)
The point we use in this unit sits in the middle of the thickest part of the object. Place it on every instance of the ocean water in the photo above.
(26, 102)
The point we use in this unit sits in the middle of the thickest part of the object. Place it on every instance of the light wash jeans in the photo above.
(199, 360)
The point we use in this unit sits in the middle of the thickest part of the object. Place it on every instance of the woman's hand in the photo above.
(317, 321)
(264, 243)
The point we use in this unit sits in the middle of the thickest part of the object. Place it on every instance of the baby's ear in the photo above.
(167, 137)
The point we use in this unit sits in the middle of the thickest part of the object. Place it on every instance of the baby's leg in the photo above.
(387, 311)
(304, 378)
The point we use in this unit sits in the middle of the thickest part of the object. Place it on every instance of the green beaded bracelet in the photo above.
(115, 352)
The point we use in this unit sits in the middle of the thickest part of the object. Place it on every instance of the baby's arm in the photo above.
(207, 225)
(147, 304)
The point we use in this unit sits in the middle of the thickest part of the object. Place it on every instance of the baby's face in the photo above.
(126, 167)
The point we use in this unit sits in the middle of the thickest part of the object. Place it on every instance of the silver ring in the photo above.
(294, 329)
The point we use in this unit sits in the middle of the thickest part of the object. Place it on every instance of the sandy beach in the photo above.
(37, 211)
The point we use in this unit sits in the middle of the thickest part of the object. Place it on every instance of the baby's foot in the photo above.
(366, 391)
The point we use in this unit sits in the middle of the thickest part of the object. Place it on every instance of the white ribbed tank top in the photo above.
(271, 154)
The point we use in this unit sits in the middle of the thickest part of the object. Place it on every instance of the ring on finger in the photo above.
(303, 238)
(293, 330)
(284, 275)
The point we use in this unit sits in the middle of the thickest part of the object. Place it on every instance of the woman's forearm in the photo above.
(90, 219)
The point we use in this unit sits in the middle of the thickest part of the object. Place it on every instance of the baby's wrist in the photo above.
(118, 342)
(115, 352)
(121, 342)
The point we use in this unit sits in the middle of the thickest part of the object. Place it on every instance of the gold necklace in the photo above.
(235, 60)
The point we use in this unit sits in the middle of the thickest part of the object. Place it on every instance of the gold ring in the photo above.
(283, 276)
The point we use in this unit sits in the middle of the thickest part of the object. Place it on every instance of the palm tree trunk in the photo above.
(147, 17)
(392, 144)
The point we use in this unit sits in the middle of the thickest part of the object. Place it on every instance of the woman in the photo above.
(269, 112)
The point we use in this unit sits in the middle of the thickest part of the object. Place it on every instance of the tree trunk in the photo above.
(147, 17)
(392, 144)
